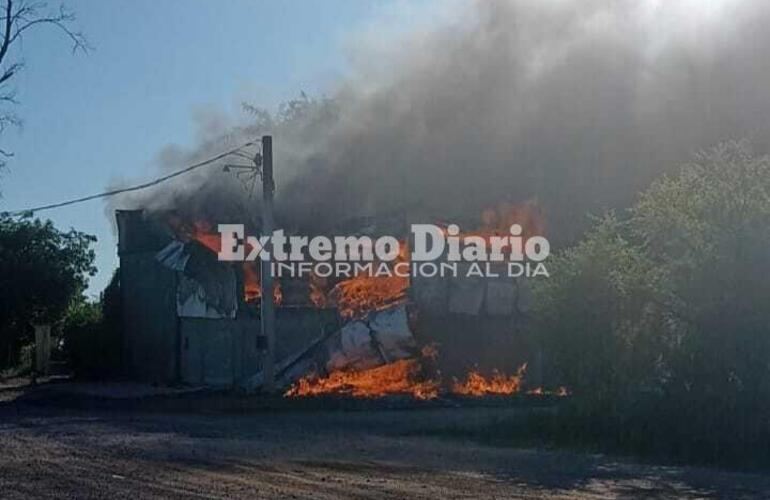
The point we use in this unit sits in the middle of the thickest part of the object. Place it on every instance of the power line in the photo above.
(138, 187)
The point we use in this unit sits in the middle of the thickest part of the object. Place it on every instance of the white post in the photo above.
(42, 348)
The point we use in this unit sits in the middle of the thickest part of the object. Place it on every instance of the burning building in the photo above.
(193, 319)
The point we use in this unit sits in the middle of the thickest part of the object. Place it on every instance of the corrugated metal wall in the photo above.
(160, 346)
(148, 294)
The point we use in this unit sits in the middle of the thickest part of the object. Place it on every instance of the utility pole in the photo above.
(267, 319)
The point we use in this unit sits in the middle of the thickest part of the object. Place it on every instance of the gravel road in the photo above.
(51, 452)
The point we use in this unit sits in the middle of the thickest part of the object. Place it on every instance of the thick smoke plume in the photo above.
(575, 103)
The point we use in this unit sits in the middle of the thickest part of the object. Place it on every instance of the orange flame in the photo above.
(400, 377)
(203, 233)
(476, 384)
(252, 289)
(357, 296)
(360, 295)
(317, 295)
(498, 220)
(405, 376)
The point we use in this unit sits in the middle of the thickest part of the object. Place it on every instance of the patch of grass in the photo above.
(660, 433)
(23, 368)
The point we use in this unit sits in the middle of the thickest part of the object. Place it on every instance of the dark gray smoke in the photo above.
(575, 103)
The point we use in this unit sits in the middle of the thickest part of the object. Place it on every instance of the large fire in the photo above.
(360, 295)
(406, 377)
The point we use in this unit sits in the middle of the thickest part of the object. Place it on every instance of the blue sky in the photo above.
(90, 119)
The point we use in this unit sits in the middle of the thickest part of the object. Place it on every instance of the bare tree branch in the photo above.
(17, 18)
(7, 31)
(27, 17)
(10, 71)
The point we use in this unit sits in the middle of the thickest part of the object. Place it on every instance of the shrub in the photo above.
(659, 324)
(597, 319)
(92, 335)
(42, 271)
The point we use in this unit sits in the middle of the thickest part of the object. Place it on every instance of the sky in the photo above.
(90, 119)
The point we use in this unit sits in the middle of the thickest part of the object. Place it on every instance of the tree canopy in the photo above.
(42, 270)
(668, 304)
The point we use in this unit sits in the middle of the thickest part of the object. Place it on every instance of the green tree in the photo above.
(708, 228)
(92, 334)
(598, 319)
(42, 271)
(660, 324)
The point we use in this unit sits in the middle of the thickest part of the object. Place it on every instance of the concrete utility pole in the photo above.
(268, 307)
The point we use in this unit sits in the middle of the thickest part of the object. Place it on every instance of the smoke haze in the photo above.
(578, 104)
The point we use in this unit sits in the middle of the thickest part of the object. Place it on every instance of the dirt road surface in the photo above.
(50, 452)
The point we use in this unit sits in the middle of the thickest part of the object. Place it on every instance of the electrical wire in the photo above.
(138, 187)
